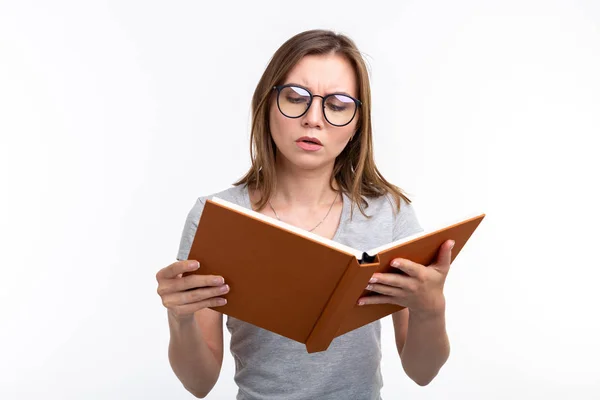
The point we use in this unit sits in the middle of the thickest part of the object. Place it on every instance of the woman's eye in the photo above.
(336, 108)
(296, 100)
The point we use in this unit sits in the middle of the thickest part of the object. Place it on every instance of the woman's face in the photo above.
(321, 75)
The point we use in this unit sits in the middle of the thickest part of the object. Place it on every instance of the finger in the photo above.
(173, 300)
(177, 268)
(187, 283)
(191, 282)
(409, 267)
(187, 309)
(393, 279)
(444, 257)
(377, 299)
(385, 289)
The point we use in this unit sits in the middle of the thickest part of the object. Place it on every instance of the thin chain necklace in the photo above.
(330, 207)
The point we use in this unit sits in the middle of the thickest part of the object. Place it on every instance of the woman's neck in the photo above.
(303, 189)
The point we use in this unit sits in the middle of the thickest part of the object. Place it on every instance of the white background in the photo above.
(115, 116)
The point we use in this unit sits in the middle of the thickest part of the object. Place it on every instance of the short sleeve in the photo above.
(189, 229)
(406, 222)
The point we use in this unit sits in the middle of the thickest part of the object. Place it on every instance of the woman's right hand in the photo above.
(184, 295)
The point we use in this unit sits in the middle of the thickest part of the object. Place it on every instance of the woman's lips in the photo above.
(308, 146)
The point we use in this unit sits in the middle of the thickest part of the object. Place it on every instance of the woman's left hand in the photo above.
(420, 290)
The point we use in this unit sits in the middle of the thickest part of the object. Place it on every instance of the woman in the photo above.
(313, 167)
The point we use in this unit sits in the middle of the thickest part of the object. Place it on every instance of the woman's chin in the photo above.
(306, 161)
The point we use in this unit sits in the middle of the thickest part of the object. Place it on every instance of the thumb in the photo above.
(445, 255)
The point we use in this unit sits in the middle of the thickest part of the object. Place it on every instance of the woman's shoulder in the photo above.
(382, 211)
(385, 204)
(234, 194)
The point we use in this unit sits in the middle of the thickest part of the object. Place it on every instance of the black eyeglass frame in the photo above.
(279, 88)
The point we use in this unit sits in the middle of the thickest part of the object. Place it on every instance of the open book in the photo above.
(296, 283)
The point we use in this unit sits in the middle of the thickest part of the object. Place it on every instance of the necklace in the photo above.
(330, 207)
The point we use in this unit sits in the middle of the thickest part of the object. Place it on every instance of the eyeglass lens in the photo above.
(293, 101)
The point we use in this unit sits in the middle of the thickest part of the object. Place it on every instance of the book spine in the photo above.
(336, 308)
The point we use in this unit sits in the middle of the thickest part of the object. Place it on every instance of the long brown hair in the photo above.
(354, 169)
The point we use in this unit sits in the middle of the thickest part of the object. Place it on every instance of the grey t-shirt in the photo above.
(269, 366)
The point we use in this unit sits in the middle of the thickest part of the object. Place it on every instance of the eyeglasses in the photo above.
(294, 101)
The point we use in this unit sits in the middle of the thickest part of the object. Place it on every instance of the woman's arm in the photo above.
(196, 350)
(422, 343)
(420, 328)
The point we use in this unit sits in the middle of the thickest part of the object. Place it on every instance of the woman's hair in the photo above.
(354, 170)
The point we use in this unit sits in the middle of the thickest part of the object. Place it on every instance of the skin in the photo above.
(335, 75)
(302, 197)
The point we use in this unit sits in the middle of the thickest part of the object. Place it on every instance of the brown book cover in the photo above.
(297, 284)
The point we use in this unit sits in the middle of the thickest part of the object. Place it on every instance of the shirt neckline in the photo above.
(341, 223)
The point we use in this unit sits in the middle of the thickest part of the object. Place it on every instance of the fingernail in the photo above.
(369, 287)
(218, 281)
(395, 263)
(373, 280)
(224, 288)
(361, 302)
(452, 245)
(194, 265)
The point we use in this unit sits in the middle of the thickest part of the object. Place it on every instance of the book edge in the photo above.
(289, 227)
(439, 227)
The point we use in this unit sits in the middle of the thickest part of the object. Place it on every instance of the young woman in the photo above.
(313, 167)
